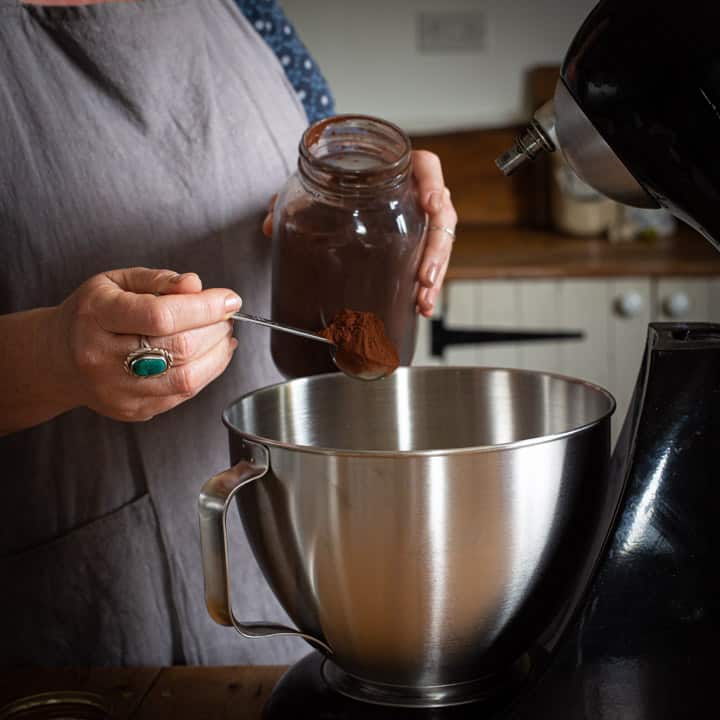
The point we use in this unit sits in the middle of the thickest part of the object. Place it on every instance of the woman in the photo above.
(141, 142)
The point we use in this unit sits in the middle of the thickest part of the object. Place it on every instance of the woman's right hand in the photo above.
(103, 320)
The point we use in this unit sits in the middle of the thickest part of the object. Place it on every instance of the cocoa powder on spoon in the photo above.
(363, 348)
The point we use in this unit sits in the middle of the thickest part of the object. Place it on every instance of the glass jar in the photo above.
(348, 233)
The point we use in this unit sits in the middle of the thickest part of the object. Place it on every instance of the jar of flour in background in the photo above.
(578, 209)
(575, 207)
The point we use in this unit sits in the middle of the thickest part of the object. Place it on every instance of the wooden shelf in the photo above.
(506, 252)
(171, 693)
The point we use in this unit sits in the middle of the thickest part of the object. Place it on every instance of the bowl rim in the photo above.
(436, 452)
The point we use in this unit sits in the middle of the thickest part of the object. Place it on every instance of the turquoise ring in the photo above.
(148, 362)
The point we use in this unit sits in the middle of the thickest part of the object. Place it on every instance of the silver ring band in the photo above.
(148, 362)
(444, 228)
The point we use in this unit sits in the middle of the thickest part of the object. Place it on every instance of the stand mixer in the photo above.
(636, 109)
(563, 585)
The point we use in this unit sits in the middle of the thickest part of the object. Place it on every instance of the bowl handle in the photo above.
(213, 504)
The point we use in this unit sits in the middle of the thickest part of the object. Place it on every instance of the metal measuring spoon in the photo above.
(344, 361)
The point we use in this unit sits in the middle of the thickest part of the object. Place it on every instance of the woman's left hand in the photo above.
(442, 219)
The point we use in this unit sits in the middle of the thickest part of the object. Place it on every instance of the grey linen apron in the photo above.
(142, 133)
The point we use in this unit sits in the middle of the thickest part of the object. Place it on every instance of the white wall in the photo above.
(367, 51)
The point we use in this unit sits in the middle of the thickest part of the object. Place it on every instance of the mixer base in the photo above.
(304, 691)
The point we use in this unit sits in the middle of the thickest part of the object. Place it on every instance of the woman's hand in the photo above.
(103, 320)
(442, 219)
(55, 359)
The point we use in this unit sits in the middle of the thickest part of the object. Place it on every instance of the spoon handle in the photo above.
(279, 326)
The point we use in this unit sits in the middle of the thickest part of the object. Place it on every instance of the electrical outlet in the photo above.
(451, 32)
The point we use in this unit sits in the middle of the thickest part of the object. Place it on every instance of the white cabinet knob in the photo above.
(629, 304)
(677, 305)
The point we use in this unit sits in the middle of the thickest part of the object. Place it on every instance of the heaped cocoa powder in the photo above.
(363, 347)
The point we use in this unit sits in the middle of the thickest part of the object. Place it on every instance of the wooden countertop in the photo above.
(177, 693)
(506, 252)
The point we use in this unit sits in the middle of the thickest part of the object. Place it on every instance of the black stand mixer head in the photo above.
(636, 112)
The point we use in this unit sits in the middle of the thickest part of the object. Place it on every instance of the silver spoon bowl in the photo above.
(336, 355)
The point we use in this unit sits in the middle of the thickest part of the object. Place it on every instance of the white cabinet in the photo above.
(613, 314)
(423, 342)
(687, 300)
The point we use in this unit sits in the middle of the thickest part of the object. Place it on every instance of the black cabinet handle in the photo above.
(443, 337)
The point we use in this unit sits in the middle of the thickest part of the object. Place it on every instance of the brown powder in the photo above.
(363, 348)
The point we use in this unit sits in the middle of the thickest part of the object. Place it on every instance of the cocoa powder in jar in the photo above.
(348, 232)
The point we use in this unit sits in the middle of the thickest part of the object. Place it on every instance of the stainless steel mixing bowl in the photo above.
(423, 530)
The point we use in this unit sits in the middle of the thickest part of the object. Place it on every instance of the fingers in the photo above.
(267, 222)
(427, 296)
(182, 284)
(435, 199)
(438, 247)
(428, 174)
(186, 346)
(186, 381)
(122, 312)
(108, 312)
(145, 399)
(151, 280)
(442, 219)
(267, 225)
(436, 258)
(134, 399)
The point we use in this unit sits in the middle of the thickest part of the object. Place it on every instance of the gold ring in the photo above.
(147, 362)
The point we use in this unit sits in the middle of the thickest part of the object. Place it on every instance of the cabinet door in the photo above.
(423, 344)
(584, 306)
(540, 306)
(533, 305)
(629, 310)
(686, 300)
(487, 305)
(612, 314)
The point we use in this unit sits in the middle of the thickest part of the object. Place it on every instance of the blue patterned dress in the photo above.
(268, 19)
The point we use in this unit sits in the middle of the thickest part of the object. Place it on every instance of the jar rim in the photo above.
(313, 133)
